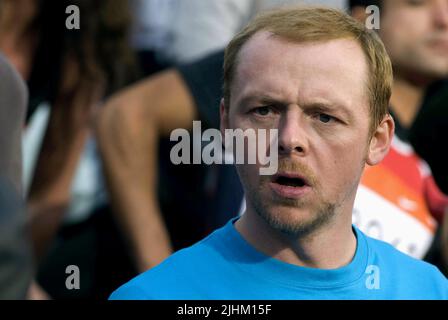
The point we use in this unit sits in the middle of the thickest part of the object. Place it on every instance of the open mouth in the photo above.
(291, 186)
(290, 180)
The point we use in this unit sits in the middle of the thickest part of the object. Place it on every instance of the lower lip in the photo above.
(289, 192)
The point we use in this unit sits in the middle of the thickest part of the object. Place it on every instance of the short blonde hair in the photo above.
(318, 24)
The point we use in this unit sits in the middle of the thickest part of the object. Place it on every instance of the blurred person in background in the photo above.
(169, 32)
(68, 73)
(429, 137)
(15, 254)
(412, 206)
(201, 27)
(13, 102)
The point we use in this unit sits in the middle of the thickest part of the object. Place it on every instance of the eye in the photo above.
(325, 118)
(262, 111)
(415, 2)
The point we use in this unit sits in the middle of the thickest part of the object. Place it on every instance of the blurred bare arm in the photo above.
(64, 140)
(128, 130)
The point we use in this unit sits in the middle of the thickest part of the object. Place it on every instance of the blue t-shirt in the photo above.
(225, 266)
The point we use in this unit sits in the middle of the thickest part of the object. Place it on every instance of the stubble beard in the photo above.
(297, 226)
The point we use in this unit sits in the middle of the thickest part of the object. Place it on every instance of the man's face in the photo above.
(315, 95)
(415, 33)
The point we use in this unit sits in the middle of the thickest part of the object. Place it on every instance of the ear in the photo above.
(359, 13)
(380, 142)
(224, 117)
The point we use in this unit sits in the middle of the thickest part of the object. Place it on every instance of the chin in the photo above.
(434, 66)
(288, 220)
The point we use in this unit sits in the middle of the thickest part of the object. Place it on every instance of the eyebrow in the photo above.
(320, 106)
(330, 107)
(261, 99)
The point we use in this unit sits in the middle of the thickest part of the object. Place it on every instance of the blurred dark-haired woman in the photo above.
(68, 72)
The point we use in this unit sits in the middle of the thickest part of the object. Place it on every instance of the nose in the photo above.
(292, 136)
(440, 14)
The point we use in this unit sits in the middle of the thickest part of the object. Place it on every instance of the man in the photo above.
(325, 87)
(408, 206)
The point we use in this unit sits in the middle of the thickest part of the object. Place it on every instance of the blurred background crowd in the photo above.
(85, 120)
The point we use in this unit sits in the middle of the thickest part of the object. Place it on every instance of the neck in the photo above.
(330, 247)
(406, 100)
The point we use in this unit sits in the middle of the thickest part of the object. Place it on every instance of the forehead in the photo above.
(335, 69)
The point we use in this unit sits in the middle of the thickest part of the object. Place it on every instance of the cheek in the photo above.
(404, 31)
(341, 167)
(393, 41)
